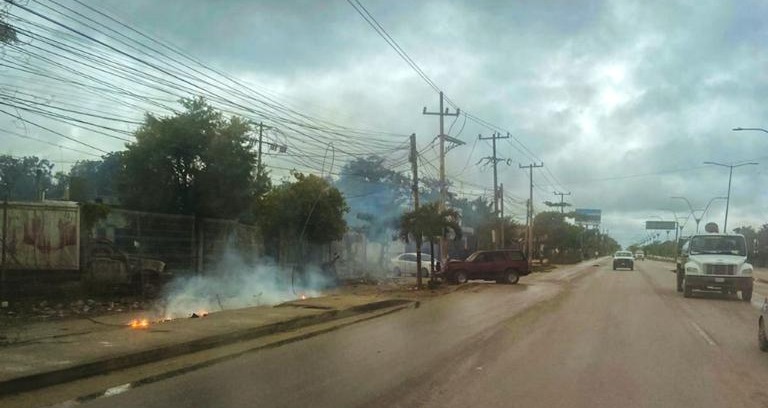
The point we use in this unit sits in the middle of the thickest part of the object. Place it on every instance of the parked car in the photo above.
(762, 335)
(623, 259)
(405, 264)
(502, 266)
(640, 255)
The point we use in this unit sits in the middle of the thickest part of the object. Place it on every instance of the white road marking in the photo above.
(117, 390)
(703, 333)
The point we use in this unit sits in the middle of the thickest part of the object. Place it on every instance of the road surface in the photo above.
(612, 339)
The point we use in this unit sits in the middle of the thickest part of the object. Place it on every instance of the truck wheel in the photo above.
(687, 290)
(746, 295)
(510, 277)
(679, 282)
(762, 339)
(460, 277)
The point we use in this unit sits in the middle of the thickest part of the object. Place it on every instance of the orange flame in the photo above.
(139, 323)
(303, 296)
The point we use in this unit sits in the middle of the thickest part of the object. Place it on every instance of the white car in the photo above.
(405, 264)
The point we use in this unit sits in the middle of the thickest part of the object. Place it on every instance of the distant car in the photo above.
(640, 255)
(623, 259)
(762, 335)
(502, 266)
(405, 264)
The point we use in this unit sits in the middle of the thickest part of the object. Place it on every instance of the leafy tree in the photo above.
(91, 179)
(750, 235)
(308, 208)
(478, 215)
(428, 221)
(7, 32)
(24, 178)
(195, 162)
(376, 196)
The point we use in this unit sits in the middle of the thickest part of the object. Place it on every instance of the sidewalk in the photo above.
(50, 353)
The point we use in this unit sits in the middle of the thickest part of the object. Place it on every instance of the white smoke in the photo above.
(233, 284)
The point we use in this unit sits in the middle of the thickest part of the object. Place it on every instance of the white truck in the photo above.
(715, 261)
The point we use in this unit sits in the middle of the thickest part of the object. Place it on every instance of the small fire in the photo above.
(303, 296)
(139, 324)
(200, 313)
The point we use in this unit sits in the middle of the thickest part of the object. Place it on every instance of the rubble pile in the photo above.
(46, 310)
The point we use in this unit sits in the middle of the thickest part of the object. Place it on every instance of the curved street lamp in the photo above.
(755, 129)
(703, 212)
(730, 176)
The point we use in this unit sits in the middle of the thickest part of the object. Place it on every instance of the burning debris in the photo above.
(198, 315)
(139, 324)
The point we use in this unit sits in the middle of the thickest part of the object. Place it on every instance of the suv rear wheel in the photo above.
(510, 277)
(460, 277)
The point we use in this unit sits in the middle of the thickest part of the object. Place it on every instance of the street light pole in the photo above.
(755, 129)
(730, 176)
(703, 212)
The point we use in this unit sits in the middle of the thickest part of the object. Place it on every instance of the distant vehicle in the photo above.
(715, 261)
(640, 255)
(762, 336)
(502, 266)
(405, 264)
(623, 259)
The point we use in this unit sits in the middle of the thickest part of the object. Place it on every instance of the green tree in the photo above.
(750, 235)
(24, 178)
(428, 221)
(7, 32)
(307, 209)
(195, 162)
(91, 179)
(376, 196)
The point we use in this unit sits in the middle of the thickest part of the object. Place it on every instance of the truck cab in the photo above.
(715, 261)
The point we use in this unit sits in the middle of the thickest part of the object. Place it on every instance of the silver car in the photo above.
(405, 264)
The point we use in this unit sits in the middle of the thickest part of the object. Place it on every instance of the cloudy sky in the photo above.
(622, 101)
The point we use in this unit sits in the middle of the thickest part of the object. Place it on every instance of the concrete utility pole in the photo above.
(529, 217)
(442, 113)
(562, 200)
(414, 158)
(495, 160)
(501, 194)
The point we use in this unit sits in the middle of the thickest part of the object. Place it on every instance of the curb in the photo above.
(92, 368)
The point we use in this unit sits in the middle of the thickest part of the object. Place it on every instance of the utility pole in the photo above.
(442, 113)
(501, 204)
(261, 136)
(529, 217)
(414, 158)
(562, 199)
(495, 161)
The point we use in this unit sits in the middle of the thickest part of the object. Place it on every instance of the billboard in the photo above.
(660, 225)
(587, 216)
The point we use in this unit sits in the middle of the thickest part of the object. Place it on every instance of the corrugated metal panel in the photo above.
(42, 236)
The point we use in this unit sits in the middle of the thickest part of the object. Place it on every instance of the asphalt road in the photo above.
(610, 339)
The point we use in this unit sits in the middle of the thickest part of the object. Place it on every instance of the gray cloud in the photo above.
(598, 90)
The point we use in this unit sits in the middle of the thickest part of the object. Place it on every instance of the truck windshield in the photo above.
(718, 244)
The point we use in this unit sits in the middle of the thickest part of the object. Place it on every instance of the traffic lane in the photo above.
(620, 338)
(351, 366)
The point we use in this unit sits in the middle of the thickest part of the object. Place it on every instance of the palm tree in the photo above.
(427, 221)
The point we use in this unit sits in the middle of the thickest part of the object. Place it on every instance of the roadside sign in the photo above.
(661, 225)
(587, 216)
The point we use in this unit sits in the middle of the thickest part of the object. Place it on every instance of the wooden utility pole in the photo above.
(414, 159)
(495, 161)
(442, 113)
(562, 199)
(529, 217)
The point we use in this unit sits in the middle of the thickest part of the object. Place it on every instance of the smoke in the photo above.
(233, 284)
